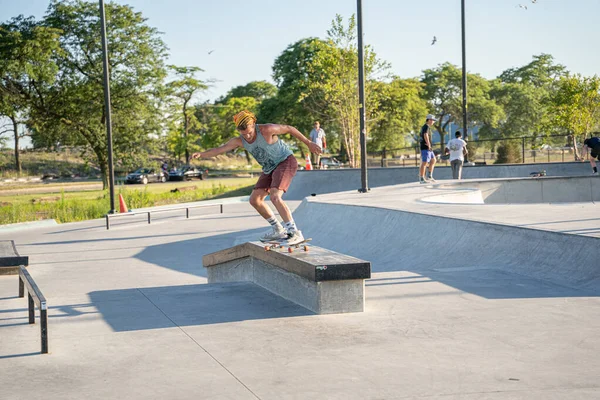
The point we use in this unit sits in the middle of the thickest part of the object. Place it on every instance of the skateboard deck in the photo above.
(538, 173)
(290, 247)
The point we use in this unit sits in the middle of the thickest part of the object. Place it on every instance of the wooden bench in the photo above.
(320, 280)
(35, 297)
(10, 259)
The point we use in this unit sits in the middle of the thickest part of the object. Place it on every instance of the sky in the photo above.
(245, 37)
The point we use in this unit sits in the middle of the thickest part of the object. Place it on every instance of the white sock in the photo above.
(290, 225)
(275, 224)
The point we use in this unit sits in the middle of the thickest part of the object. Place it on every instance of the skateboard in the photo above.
(537, 174)
(276, 245)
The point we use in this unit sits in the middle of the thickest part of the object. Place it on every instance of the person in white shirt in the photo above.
(317, 135)
(457, 148)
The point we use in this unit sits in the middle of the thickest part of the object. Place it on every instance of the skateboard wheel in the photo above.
(290, 250)
(305, 248)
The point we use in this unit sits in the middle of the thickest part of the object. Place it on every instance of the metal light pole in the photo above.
(464, 70)
(111, 176)
(362, 106)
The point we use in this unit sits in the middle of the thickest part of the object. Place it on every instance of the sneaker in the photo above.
(430, 179)
(422, 180)
(294, 237)
(274, 235)
(594, 173)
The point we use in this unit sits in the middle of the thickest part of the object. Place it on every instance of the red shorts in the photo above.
(281, 177)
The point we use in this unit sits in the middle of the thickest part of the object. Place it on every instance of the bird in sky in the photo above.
(434, 40)
(210, 52)
(522, 6)
(534, 1)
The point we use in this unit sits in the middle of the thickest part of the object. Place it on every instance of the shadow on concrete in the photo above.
(186, 255)
(20, 355)
(112, 239)
(189, 305)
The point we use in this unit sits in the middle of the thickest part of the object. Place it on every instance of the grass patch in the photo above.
(84, 205)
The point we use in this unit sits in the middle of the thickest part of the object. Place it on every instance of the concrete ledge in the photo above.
(320, 280)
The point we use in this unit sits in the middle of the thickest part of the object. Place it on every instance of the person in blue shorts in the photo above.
(427, 155)
(593, 144)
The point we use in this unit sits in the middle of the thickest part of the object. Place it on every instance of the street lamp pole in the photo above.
(111, 176)
(362, 106)
(464, 70)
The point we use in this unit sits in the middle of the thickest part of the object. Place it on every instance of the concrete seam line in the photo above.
(199, 345)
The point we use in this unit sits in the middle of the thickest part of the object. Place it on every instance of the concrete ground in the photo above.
(457, 308)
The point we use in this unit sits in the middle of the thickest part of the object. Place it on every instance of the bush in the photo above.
(509, 153)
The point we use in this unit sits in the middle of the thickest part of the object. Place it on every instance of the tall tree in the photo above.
(400, 113)
(183, 89)
(75, 103)
(333, 83)
(524, 93)
(576, 106)
(26, 68)
(443, 91)
(259, 90)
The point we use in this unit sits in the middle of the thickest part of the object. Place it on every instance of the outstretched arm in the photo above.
(275, 129)
(232, 144)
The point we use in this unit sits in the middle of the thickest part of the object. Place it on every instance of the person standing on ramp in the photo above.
(593, 144)
(279, 167)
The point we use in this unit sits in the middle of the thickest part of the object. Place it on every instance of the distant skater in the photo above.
(593, 144)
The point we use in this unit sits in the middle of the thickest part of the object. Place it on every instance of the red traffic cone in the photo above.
(308, 163)
(122, 205)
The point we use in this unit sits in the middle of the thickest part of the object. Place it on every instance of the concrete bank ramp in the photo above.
(575, 189)
(339, 180)
(395, 240)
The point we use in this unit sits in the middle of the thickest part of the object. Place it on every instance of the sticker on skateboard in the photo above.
(290, 247)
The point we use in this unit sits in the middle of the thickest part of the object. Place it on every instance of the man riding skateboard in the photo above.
(593, 144)
(278, 165)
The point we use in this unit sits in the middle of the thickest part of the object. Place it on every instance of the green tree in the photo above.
(259, 90)
(400, 113)
(333, 83)
(443, 90)
(183, 90)
(26, 67)
(576, 105)
(75, 103)
(293, 103)
(524, 94)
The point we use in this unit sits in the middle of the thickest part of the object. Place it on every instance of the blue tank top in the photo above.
(269, 156)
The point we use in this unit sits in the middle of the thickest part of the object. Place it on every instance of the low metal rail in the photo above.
(149, 212)
(35, 297)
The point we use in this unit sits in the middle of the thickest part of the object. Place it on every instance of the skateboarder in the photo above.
(278, 169)
(593, 144)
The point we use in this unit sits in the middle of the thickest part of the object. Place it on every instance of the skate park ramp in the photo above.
(319, 182)
(576, 189)
(395, 227)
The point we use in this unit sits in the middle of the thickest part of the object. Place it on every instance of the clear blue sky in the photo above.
(247, 36)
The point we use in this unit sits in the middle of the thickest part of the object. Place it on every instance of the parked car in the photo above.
(145, 176)
(187, 173)
(330, 162)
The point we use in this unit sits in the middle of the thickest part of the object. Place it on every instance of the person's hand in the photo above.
(196, 155)
(314, 148)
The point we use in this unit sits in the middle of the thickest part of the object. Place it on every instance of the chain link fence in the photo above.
(554, 148)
